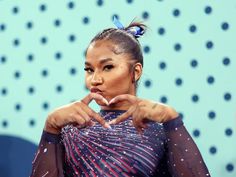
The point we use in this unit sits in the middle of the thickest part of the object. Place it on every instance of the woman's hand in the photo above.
(78, 113)
(143, 111)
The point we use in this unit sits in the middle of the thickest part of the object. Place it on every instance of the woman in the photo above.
(130, 136)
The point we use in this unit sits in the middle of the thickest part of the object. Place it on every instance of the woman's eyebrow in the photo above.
(100, 62)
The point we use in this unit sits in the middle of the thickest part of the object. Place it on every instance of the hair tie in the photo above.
(136, 31)
(118, 23)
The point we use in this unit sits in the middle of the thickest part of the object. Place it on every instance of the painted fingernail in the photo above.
(111, 101)
(111, 122)
(92, 124)
(107, 126)
(105, 101)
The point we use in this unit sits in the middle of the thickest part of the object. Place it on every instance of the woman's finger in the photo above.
(136, 117)
(92, 114)
(100, 120)
(80, 110)
(139, 122)
(123, 97)
(96, 116)
(94, 96)
(76, 118)
(124, 116)
(137, 126)
(91, 123)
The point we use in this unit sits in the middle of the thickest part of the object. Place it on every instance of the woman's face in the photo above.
(107, 73)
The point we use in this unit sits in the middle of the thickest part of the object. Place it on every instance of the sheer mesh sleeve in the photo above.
(48, 159)
(183, 157)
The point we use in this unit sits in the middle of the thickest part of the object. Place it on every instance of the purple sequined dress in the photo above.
(163, 150)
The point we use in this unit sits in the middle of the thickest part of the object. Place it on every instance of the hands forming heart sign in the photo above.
(80, 114)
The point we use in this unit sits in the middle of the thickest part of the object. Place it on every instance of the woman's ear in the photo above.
(137, 71)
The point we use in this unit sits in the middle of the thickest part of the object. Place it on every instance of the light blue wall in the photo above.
(189, 53)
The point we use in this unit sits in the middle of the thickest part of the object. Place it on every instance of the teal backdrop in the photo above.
(190, 64)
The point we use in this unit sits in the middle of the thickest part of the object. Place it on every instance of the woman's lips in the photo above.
(95, 90)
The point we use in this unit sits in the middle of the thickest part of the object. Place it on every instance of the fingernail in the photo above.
(105, 101)
(111, 101)
(107, 126)
(112, 122)
(92, 124)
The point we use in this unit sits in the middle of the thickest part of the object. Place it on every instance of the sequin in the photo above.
(121, 152)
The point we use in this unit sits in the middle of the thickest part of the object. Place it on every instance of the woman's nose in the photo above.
(96, 79)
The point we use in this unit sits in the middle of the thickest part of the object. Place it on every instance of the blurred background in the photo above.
(189, 63)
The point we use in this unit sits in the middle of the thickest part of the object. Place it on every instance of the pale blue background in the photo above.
(189, 52)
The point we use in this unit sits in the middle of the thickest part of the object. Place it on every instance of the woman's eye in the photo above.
(108, 67)
(89, 70)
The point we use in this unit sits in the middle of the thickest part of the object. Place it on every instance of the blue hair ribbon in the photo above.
(117, 23)
(136, 31)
